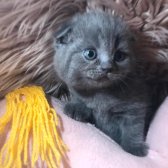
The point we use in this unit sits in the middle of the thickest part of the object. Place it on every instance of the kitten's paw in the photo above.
(69, 110)
(78, 111)
(140, 149)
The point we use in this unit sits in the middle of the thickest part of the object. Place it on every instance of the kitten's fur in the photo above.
(103, 91)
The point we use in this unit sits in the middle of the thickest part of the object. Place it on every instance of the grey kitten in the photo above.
(95, 59)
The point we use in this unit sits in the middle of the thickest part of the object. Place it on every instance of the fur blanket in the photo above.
(26, 28)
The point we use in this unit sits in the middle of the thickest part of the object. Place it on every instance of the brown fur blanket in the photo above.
(26, 28)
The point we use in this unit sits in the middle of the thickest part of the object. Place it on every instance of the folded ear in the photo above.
(62, 35)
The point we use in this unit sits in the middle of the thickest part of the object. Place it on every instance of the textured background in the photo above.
(26, 28)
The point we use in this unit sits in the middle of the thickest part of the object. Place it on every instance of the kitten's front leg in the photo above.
(132, 137)
(126, 129)
(79, 111)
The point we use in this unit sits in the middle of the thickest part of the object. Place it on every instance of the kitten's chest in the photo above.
(102, 102)
(117, 101)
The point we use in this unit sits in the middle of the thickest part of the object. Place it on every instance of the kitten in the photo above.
(95, 59)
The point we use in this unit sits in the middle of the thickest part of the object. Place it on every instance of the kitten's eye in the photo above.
(119, 56)
(90, 54)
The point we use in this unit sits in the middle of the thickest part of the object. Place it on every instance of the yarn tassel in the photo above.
(33, 133)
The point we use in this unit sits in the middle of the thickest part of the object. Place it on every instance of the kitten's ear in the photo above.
(62, 36)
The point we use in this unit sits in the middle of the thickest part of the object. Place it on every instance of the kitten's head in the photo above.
(93, 50)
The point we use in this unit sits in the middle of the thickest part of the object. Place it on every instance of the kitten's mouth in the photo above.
(101, 76)
(96, 75)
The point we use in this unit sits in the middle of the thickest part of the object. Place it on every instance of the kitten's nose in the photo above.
(106, 67)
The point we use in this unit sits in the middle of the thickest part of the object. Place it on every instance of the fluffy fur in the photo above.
(95, 58)
(26, 29)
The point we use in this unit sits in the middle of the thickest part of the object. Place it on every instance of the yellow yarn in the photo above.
(33, 126)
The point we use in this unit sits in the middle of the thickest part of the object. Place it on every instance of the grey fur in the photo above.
(103, 91)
